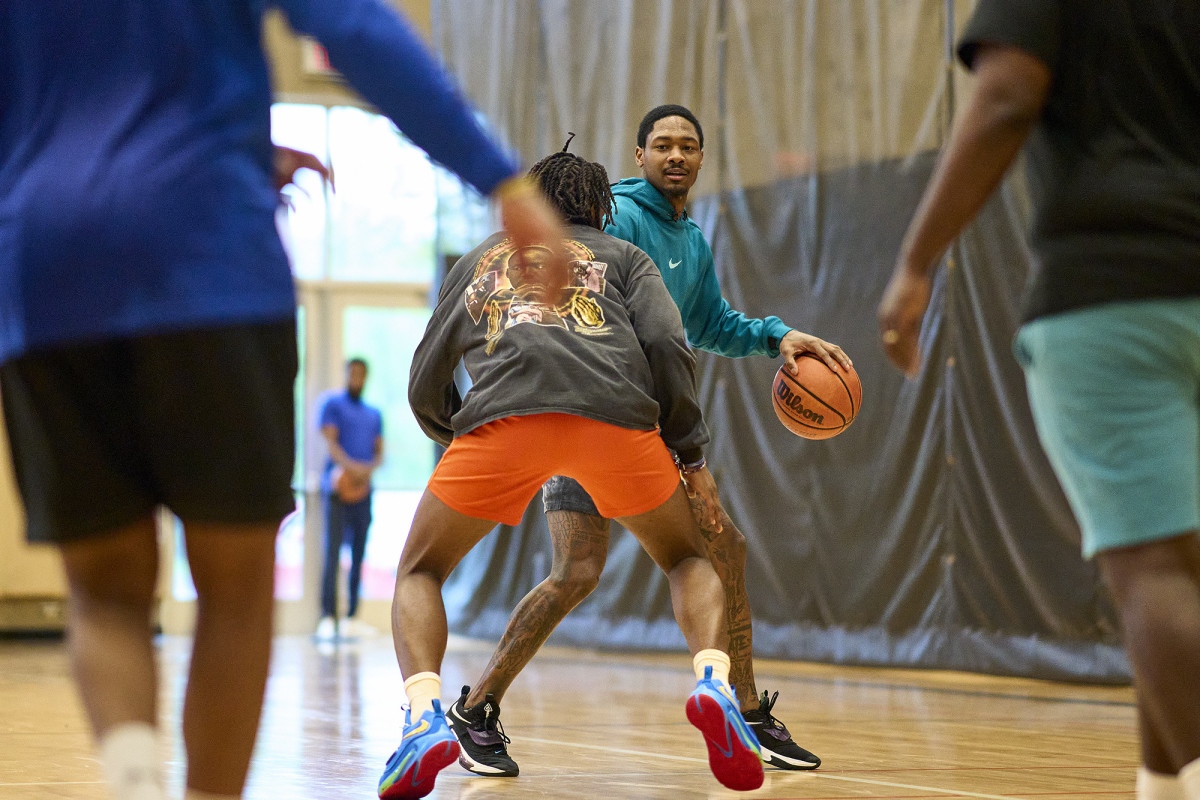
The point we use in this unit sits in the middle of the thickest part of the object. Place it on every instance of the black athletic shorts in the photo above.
(199, 421)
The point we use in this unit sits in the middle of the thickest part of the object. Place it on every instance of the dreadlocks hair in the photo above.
(579, 189)
(662, 112)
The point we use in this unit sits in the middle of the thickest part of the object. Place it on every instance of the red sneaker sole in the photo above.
(732, 763)
(418, 780)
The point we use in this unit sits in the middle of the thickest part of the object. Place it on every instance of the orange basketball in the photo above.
(349, 489)
(817, 402)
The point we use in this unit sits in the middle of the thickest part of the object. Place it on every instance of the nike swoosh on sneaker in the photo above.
(672, 263)
(416, 730)
(456, 715)
(730, 736)
(727, 750)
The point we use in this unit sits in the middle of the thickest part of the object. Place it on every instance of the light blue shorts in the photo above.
(1115, 393)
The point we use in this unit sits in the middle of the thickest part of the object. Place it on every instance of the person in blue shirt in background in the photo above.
(353, 432)
(147, 327)
(650, 213)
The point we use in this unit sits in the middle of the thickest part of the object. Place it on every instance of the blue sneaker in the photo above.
(733, 753)
(427, 748)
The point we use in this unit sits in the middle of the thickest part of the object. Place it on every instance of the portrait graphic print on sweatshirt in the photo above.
(509, 289)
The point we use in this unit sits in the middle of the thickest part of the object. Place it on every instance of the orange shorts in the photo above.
(495, 470)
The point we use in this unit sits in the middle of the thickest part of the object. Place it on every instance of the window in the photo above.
(394, 213)
(366, 258)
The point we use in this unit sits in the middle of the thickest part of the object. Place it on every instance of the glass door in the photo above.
(364, 258)
(381, 324)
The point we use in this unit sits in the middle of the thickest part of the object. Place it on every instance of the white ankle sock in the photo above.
(1157, 786)
(422, 689)
(1189, 780)
(196, 794)
(129, 756)
(716, 659)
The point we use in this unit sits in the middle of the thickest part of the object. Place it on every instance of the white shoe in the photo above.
(357, 629)
(327, 629)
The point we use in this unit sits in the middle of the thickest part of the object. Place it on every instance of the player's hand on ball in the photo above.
(359, 471)
(795, 343)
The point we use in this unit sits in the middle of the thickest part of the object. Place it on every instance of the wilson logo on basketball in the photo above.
(794, 403)
(816, 402)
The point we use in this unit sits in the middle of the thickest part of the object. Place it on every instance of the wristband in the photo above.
(692, 468)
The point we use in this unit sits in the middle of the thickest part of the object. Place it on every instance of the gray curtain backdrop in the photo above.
(932, 532)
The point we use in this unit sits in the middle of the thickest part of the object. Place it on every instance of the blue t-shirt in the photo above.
(136, 189)
(358, 425)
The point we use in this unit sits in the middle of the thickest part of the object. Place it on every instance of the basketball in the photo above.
(349, 489)
(816, 403)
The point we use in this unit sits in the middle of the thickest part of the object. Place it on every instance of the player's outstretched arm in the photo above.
(1008, 99)
(713, 325)
(528, 219)
(392, 66)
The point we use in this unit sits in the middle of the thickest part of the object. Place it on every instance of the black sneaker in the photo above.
(481, 736)
(778, 749)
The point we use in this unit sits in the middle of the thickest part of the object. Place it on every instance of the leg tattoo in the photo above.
(727, 552)
(580, 548)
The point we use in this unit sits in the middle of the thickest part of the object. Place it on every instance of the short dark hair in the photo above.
(350, 362)
(662, 112)
(578, 188)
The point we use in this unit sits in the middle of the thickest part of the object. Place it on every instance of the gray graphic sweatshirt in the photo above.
(612, 349)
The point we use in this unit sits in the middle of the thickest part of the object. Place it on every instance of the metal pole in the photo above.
(722, 105)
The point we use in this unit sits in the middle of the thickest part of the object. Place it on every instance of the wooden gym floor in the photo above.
(593, 725)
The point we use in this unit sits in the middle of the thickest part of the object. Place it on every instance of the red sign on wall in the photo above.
(314, 59)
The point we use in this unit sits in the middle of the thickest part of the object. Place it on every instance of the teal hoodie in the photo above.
(645, 218)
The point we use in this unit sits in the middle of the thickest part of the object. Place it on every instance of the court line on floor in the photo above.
(808, 773)
(951, 792)
(769, 676)
(53, 783)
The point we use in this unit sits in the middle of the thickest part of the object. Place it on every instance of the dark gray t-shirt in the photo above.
(614, 350)
(1114, 163)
